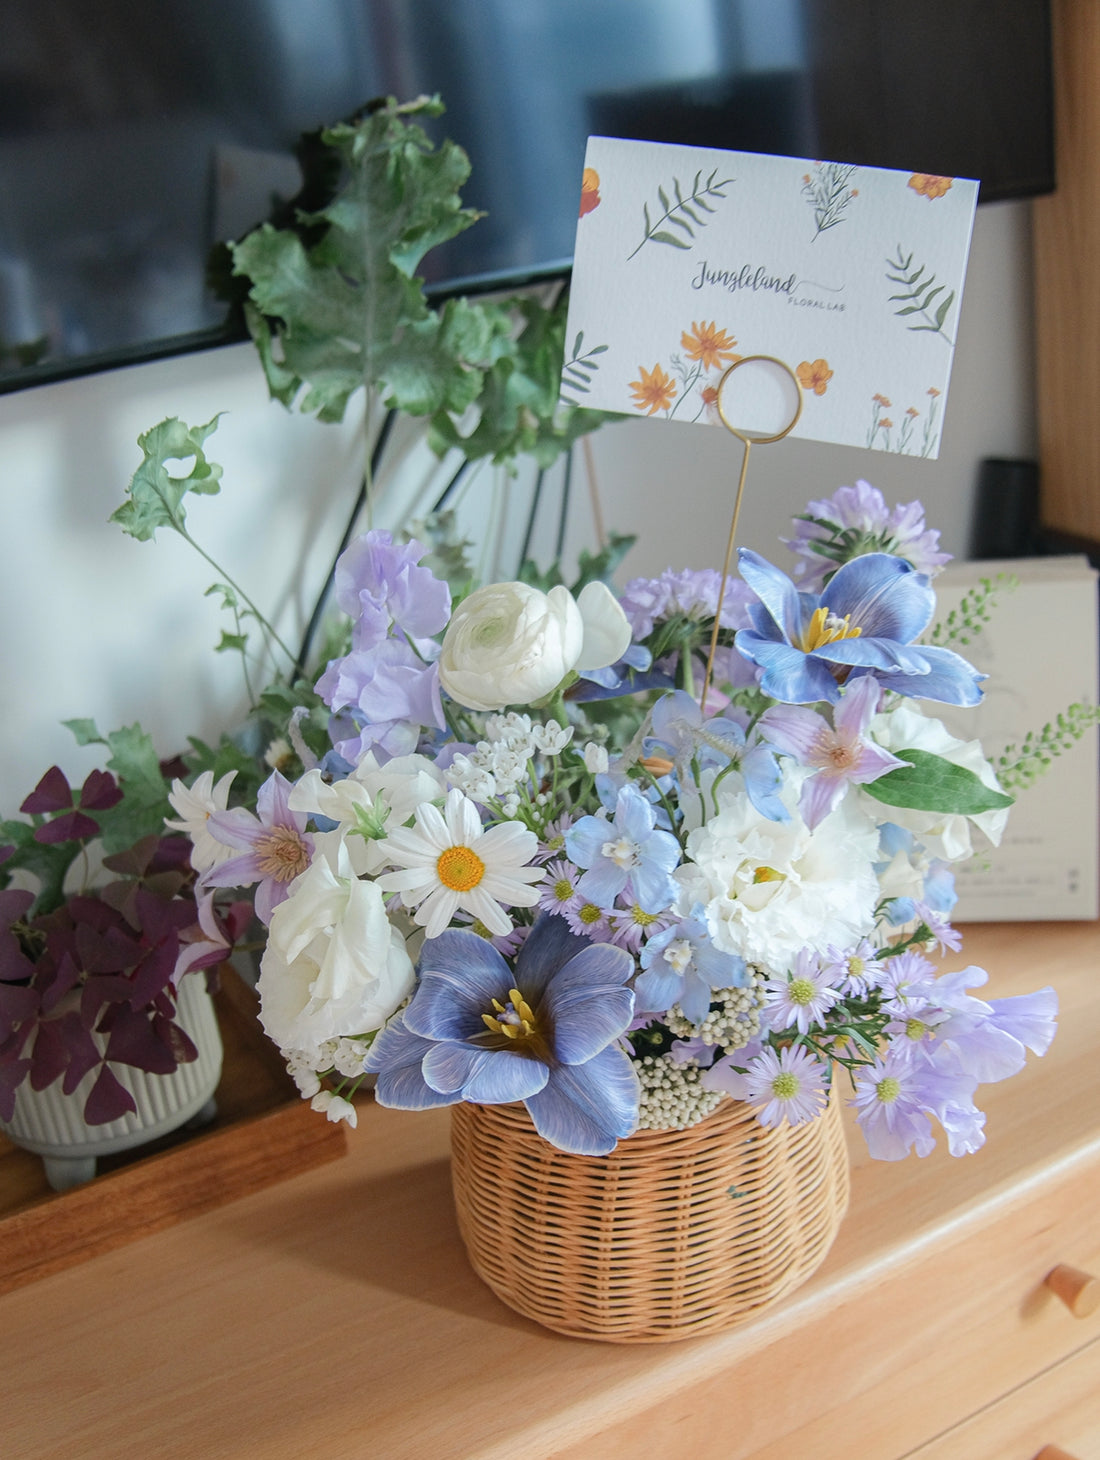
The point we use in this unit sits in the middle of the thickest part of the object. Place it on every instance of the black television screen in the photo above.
(134, 135)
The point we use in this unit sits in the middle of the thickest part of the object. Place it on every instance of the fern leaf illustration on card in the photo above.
(686, 214)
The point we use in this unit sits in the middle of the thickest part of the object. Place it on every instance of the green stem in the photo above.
(267, 628)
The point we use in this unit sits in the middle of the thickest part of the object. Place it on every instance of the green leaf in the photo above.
(47, 864)
(155, 496)
(662, 237)
(144, 803)
(238, 643)
(929, 783)
(664, 198)
(600, 566)
(84, 732)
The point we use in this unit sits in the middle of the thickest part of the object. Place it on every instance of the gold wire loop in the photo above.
(748, 440)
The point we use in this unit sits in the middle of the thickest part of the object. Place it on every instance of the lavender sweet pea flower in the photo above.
(543, 1031)
(379, 586)
(682, 966)
(276, 847)
(840, 754)
(626, 852)
(863, 623)
(387, 695)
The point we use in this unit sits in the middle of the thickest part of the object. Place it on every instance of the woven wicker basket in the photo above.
(676, 1233)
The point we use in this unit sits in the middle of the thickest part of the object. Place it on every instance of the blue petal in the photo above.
(790, 676)
(884, 596)
(460, 976)
(763, 782)
(585, 1020)
(873, 653)
(657, 989)
(951, 680)
(550, 945)
(396, 1057)
(584, 840)
(587, 1109)
(483, 1076)
(603, 883)
(653, 888)
(775, 590)
(695, 1000)
(633, 815)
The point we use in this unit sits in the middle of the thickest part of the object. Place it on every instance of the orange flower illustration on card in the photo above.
(927, 185)
(708, 345)
(814, 375)
(590, 191)
(654, 391)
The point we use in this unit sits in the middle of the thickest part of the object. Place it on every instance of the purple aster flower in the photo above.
(682, 966)
(276, 846)
(854, 971)
(388, 695)
(892, 1098)
(802, 999)
(854, 521)
(552, 841)
(558, 888)
(626, 852)
(863, 623)
(589, 920)
(840, 755)
(380, 587)
(544, 1031)
(630, 924)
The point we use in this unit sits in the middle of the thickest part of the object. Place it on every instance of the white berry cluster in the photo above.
(498, 765)
(733, 1020)
(672, 1096)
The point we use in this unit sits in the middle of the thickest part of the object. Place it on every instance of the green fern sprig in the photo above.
(678, 213)
(921, 296)
(974, 611)
(1019, 767)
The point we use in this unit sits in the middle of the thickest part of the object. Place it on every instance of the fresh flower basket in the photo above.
(645, 947)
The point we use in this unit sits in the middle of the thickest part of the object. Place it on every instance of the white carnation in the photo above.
(771, 888)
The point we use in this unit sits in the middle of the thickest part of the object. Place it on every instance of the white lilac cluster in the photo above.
(499, 888)
(499, 769)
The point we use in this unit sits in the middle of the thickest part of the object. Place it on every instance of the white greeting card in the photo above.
(688, 259)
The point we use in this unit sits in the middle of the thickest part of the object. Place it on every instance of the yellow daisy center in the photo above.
(888, 1089)
(590, 913)
(785, 1085)
(801, 991)
(459, 868)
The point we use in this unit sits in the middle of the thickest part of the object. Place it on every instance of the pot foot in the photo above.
(65, 1172)
(204, 1115)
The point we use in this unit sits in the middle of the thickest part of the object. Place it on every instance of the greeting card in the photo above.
(689, 259)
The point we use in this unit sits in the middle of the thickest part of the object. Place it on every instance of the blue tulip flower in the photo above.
(864, 621)
(544, 1031)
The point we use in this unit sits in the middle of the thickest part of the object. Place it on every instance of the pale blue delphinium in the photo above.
(627, 852)
(682, 966)
(864, 622)
(679, 729)
(543, 1031)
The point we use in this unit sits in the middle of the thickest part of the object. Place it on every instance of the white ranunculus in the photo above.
(334, 964)
(770, 888)
(606, 630)
(943, 834)
(510, 644)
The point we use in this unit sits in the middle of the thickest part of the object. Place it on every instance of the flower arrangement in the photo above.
(533, 867)
(91, 959)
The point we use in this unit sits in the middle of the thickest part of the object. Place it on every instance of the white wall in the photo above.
(100, 625)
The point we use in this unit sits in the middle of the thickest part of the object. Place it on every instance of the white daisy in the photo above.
(450, 861)
(195, 805)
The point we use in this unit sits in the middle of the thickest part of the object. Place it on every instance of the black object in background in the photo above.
(1006, 510)
(135, 135)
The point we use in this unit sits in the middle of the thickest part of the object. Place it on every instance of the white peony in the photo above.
(334, 964)
(771, 888)
(943, 834)
(510, 644)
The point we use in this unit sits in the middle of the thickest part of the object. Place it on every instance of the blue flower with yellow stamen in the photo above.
(543, 1031)
(865, 621)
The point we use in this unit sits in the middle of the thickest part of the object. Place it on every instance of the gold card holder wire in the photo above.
(748, 439)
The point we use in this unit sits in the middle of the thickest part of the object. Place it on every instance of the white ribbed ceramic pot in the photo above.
(51, 1124)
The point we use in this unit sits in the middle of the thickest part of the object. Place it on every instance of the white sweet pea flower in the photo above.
(334, 964)
(510, 644)
(378, 796)
(195, 805)
(943, 835)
